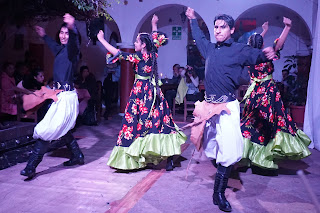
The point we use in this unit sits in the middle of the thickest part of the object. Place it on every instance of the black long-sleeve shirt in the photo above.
(66, 57)
(224, 64)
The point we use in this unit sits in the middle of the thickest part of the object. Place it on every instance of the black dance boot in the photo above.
(220, 185)
(76, 155)
(169, 166)
(40, 148)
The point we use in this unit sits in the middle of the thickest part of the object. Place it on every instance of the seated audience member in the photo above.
(188, 86)
(88, 81)
(171, 94)
(8, 91)
(83, 97)
(33, 81)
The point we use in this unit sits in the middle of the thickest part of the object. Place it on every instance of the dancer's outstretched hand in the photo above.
(287, 21)
(100, 35)
(265, 26)
(155, 19)
(69, 19)
(190, 13)
(41, 32)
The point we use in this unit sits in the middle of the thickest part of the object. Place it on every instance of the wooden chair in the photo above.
(187, 106)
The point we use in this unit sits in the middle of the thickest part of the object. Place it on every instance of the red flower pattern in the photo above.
(264, 109)
(138, 121)
(147, 69)
(246, 134)
(261, 139)
(155, 113)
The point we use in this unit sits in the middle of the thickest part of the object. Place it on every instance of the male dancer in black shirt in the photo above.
(225, 61)
(62, 114)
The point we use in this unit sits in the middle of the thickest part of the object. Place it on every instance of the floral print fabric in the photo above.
(264, 114)
(144, 114)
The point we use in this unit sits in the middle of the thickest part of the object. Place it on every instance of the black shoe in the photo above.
(79, 160)
(220, 185)
(77, 157)
(40, 148)
(220, 200)
(30, 173)
(169, 166)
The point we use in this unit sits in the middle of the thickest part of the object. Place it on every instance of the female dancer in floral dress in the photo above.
(269, 132)
(148, 133)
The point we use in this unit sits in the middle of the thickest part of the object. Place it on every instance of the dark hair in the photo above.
(176, 65)
(83, 68)
(151, 48)
(57, 34)
(36, 72)
(255, 41)
(29, 82)
(66, 26)
(228, 19)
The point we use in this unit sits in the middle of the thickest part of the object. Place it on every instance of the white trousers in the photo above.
(223, 140)
(60, 118)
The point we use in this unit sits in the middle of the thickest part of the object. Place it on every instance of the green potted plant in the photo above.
(295, 95)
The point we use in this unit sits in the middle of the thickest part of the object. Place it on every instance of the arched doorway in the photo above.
(180, 48)
(298, 43)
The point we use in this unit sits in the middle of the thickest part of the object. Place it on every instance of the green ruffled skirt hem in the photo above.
(152, 148)
(283, 146)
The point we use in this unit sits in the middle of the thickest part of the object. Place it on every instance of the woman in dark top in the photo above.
(62, 114)
(148, 133)
(87, 81)
(269, 132)
(33, 81)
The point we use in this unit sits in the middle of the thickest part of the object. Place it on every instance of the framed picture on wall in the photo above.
(176, 32)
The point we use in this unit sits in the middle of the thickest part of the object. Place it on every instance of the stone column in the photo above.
(127, 76)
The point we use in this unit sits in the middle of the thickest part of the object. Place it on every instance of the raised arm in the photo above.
(109, 47)
(201, 41)
(284, 34)
(154, 23)
(52, 44)
(73, 43)
(265, 28)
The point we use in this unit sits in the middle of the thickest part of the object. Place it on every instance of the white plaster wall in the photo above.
(130, 18)
(131, 14)
(172, 53)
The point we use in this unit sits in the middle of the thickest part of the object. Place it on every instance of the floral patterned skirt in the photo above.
(148, 133)
(269, 132)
